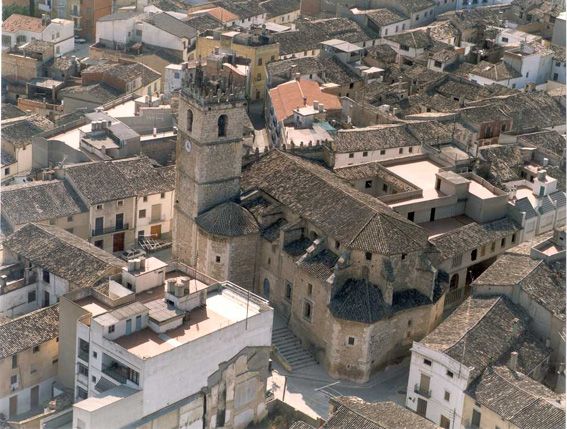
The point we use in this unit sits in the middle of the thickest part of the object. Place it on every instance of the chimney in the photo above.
(170, 286)
(142, 263)
(545, 162)
(315, 105)
(321, 107)
(513, 363)
(131, 266)
(136, 264)
(541, 175)
(297, 76)
(304, 101)
(45, 20)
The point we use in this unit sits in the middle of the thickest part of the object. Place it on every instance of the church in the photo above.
(352, 278)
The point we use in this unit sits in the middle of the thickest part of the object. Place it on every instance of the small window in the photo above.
(438, 64)
(474, 255)
(14, 361)
(505, 39)
(259, 61)
(410, 149)
(383, 152)
(83, 370)
(351, 341)
(69, 218)
(527, 74)
(364, 153)
(99, 244)
(307, 311)
(31, 296)
(7, 171)
(217, 259)
(503, 242)
(351, 85)
(503, 128)
(95, 355)
(403, 256)
(411, 216)
(45, 276)
(309, 289)
(385, 187)
(111, 329)
(99, 207)
(401, 150)
(13, 379)
(142, 214)
(427, 362)
(145, 199)
(162, 196)
(368, 184)
(93, 379)
(514, 238)
(493, 247)
(351, 155)
(120, 203)
(36, 349)
(450, 374)
(288, 291)
(368, 256)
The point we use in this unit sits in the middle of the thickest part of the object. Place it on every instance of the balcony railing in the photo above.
(110, 229)
(421, 391)
(84, 355)
(116, 372)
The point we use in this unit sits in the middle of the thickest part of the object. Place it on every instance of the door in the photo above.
(46, 298)
(156, 213)
(266, 289)
(128, 326)
(155, 231)
(119, 221)
(13, 406)
(475, 421)
(421, 407)
(118, 242)
(138, 323)
(432, 215)
(34, 397)
(424, 384)
(99, 225)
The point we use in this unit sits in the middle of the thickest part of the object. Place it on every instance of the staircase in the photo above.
(288, 350)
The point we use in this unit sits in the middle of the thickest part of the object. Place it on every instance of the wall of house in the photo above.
(558, 68)
(109, 211)
(345, 159)
(143, 225)
(440, 382)
(285, 19)
(33, 369)
(510, 83)
(154, 36)
(119, 31)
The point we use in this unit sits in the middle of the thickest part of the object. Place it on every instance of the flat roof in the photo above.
(93, 305)
(420, 174)
(479, 190)
(524, 191)
(442, 226)
(123, 110)
(342, 45)
(221, 311)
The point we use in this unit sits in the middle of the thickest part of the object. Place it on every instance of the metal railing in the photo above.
(115, 372)
(109, 229)
(421, 391)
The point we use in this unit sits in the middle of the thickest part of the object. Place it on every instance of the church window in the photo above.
(222, 122)
(189, 120)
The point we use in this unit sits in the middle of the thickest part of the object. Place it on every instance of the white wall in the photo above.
(144, 224)
(156, 37)
(24, 397)
(344, 159)
(510, 83)
(559, 68)
(119, 31)
(62, 33)
(440, 382)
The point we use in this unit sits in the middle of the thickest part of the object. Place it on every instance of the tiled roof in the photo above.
(480, 332)
(100, 92)
(416, 39)
(229, 220)
(172, 25)
(525, 205)
(203, 22)
(20, 133)
(320, 265)
(289, 96)
(222, 14)
(517, 398)
(548, 141)
(16, 22)
(496, 72)
(472, 236)
(10, 111)
(104, 181)
(371, 170)
(38, 201)
(558, 53)
(63, 254)
(301, 425)
(120, 15)
(29, 330)
(309, 34)
(241, 8)
(359, 301)
(355, 413)
(355, 219)
(373, 138)
(280, 7)
(383, 17)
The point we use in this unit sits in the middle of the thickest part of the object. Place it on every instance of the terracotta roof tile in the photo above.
(18, 22)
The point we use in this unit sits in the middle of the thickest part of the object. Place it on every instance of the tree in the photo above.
(14, 8)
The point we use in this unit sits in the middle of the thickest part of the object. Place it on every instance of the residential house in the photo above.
(34, 278)
(532, 60)
(87, 97)
(17, 147)
(448, 362)
(85, 14)
(382, 21)
(28, 361)
(559, 63)
(281, 11)
(501, 73)
(19, 29)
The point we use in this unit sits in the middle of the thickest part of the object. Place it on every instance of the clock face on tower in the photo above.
(187, 145)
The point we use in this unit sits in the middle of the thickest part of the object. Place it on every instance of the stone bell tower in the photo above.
(208, 155)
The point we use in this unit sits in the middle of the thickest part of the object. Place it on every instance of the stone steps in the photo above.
(289, 351)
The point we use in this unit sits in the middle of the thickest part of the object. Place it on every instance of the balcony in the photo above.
(84, 355)
(109, 230)
(115, 372)
(421, 391)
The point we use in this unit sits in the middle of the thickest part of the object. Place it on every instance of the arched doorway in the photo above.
(266, 289)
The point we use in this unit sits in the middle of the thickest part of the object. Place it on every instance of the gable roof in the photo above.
(63, 254)
(21, 132)
(290, 95)
(17, 22)
(174, 26)
(496, 72)
(30, 330)
(357, 220)
(38, 201)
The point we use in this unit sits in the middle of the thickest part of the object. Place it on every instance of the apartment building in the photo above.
(177, 349)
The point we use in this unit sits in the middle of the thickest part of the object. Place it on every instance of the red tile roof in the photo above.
(17, 22)
(289, 96)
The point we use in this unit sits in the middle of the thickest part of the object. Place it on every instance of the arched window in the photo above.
(454, 282)
(189, 120)
(474, 255)
(222, 125)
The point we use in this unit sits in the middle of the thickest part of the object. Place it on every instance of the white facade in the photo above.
(517, 82)
(558, 71)
(559, 29)
(356, 158)
(157, 211)
(510, 37)
(534, 66)
(58, 31)
(172, 78)
(23, 164)
(116, 30)
(445, 393)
